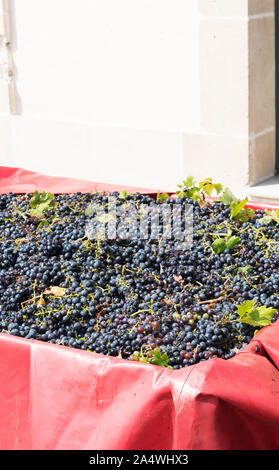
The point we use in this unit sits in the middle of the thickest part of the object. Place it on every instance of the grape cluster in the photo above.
(130, 297)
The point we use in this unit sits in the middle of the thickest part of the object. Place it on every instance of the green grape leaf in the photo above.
(162, 197)
(237, 206)
(267, 312)
(40, 203)
(208, 187)
(255, 319)
(159, 359)
(243, 269)
(194, 193)
(245, 307)
(227, 197)
(259, 316)
(245, 214)
(229, 233)
(188, 183)
(232, 241)
(43, 198)
(123, 194)
(219, 245)
(35, 199)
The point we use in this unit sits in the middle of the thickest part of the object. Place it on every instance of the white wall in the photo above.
(140, 92)
(105, 89)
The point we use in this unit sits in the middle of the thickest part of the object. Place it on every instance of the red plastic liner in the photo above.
(18, 180)
(55, 397)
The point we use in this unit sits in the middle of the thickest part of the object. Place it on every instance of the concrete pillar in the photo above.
(236, 142)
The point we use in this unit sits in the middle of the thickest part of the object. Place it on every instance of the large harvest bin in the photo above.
(56, 397)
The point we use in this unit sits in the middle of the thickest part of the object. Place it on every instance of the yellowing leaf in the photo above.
(260, 316)
(55, 290)
(274, 215)
(40, 302)
(245, 307)
(123, 194)
(106, 217)
(189, 182)
(208, 187)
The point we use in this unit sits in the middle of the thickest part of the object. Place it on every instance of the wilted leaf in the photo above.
(40, 302)
(271, 216)
(55, 290)
(267, 219)
(106, 217)
(178, 279)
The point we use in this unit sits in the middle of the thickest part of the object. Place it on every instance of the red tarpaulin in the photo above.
(55, 397)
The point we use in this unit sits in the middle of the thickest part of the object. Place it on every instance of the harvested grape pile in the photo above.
(138, 299)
